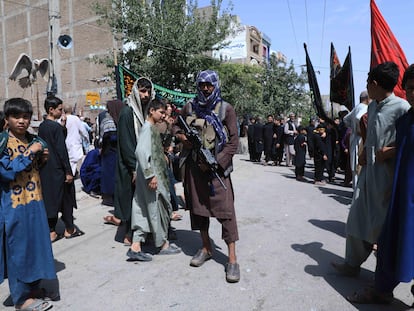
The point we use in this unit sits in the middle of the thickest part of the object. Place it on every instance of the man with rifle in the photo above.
(208, 131)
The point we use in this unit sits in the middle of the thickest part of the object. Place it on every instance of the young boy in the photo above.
(320, 154)
(300, 151)
(23, 223)
(395, 257)
(56, 175)
(151, 206)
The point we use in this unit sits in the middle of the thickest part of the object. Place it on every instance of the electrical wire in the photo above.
(293, 27)
(33, 7)
(307, 22)
(323, 30)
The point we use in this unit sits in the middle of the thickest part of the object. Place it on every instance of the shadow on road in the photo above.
(342, 196)
(343, 285)
(334, 226)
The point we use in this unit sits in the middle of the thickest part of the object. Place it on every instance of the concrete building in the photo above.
(245, 47)
(34, 27)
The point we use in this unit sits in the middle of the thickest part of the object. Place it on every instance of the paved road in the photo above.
(289, 233)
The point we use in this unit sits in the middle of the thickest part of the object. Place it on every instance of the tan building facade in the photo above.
(34, 27)
(245, 46)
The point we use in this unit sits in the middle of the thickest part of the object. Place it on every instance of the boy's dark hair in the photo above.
(156, 104)
(16, 106)
(386, 75)
(408, 75)
(300, 128)
(52, 102)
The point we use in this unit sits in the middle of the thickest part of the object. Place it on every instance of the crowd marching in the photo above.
(149, 146)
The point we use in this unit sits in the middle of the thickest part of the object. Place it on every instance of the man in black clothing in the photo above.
(258, 140)
(268, 139)
(279, 131)
(250, 138)
(309, 134)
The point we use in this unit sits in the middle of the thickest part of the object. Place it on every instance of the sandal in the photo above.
(112, 220)
(37, 305)
(127, 241)
(175, 216)
(370, 296)
(76, 232)
(57, 238)
(172, 249)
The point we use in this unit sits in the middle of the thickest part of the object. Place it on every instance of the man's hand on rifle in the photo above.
(203, 166)
(186, 143)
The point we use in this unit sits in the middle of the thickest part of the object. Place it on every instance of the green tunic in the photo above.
(151, 210)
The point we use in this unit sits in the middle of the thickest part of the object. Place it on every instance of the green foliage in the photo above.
(274, 89)
(168, 42)
(284, 88)
(241, 86)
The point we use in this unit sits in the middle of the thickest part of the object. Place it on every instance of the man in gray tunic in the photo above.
(372, 195)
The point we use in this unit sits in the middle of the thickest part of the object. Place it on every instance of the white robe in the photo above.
(351, 120)
(76, 133)
(372, 196)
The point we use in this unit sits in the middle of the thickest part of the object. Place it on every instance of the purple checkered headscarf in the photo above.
(204, 107)
(209, 76)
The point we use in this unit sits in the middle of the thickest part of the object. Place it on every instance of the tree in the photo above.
(284, 88)
(241, 86)
(167, 40)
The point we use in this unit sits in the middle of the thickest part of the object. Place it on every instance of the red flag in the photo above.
(335, 63)
(384, 46)
(342, 85)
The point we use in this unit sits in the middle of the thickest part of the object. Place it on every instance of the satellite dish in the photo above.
(65, 42)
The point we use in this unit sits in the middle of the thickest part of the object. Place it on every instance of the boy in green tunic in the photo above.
(151, 206)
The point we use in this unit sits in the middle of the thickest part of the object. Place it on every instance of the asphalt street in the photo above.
(289, 231)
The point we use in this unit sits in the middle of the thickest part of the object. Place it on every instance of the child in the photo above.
(300, 151)
(56, 175)
(23, 223)
(151, 206)
(320, 154)
(395, 257)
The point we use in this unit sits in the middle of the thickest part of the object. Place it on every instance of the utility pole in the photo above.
(54, 31)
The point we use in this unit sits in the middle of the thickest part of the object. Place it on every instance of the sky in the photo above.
(346, 23)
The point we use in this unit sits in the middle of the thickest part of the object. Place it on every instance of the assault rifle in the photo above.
(204, 154)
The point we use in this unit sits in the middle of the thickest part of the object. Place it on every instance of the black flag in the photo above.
(342, 85)
(314, 88)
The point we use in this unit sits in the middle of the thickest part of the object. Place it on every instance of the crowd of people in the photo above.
(331, 144)
(140, 144)
(148, 149)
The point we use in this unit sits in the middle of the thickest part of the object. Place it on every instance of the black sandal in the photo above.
(76, 232)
